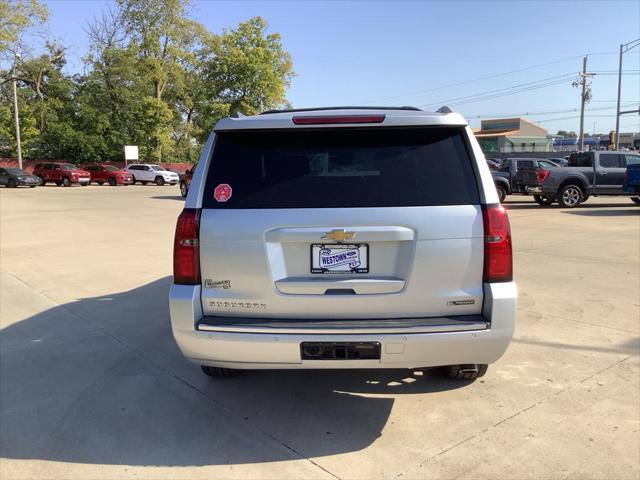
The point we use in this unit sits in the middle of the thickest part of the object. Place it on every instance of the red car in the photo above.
(61, 174)
(102, 173)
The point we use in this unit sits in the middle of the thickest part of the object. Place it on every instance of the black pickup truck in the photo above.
(589, 173)
(507, 180)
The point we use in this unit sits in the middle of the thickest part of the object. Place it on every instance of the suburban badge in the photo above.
(226, 284)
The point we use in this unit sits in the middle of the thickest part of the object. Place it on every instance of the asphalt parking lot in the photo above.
(93, 386)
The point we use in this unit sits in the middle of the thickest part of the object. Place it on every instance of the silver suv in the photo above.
(343, 238)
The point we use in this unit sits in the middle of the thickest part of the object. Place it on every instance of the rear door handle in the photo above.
(604, 173)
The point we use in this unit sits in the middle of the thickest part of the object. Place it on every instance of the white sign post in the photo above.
(130, 153)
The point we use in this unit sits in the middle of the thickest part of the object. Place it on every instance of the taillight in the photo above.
(542, 175)
(498, 260)
(338, 119)
(186, 248)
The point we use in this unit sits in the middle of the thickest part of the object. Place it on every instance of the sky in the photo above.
(432, 53)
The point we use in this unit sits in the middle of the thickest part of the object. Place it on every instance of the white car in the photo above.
(343, 238)
(149, 172)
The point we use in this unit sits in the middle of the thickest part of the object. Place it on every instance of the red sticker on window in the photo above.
(222, 192)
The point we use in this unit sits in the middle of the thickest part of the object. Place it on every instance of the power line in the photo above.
(523, 87)
(488, 77)
(479, 79)
(547, 112)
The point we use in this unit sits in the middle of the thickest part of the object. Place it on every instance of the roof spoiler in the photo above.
(319, 109)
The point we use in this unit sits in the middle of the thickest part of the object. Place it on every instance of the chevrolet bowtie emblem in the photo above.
(338, 235)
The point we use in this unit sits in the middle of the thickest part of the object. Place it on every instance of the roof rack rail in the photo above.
(444, 109)
(319, 109)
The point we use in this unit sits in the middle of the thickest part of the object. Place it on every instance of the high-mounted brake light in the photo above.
(542, 175)
(186, 248)
(338, 119)
(498, 258)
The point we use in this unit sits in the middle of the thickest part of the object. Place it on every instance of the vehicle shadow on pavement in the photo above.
(617, 212)
(632, 207)
(168, 197)
(100, 380)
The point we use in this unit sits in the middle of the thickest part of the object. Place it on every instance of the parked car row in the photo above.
(67, 174)
(598, 173)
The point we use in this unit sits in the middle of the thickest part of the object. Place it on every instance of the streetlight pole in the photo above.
(625, 47)
(16, 116)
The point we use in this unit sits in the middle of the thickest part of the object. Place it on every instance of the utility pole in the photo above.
(582, 102)
(625, 47)
(16, 116)
(585, 96)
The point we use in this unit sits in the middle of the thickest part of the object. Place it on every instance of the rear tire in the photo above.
(100, 182)
(635, 200)
(133, 180)
(183, 189)
(66, 182)
(42, 182)
(112, 181)
(12, 183)
(159, 181)
(466, 372)
(217, 372)
(570, 196)
(544, 200)
(143, 182)
(502, 193)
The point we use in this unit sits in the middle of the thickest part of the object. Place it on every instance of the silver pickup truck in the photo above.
(589, 173)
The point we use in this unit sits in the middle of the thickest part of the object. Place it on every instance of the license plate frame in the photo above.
(343, 267)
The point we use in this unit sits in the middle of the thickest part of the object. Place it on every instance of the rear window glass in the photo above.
(610, 160)
(580, 160)
(334, 168)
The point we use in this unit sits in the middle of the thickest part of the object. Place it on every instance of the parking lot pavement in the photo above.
(93, 386)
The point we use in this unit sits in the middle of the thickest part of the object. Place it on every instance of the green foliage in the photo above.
(16, 16)
(153, 78)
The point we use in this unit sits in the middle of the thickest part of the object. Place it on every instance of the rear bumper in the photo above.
(401, 347)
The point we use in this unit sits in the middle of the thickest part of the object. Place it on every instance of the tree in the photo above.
(153, 77)
(249, 70)
(565, 134)
(17, 16)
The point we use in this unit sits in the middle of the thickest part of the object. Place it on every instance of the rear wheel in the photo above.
(143, 182)
(570, 196)
(66, 182)
(100, 182)
(544, 199)
(216, 372)
(41, 179)
(12, 183)
(112, 181)
(159, 181)
(133, 180)
(635, 200)
(466, 372)
(183, 189)
(502, 193)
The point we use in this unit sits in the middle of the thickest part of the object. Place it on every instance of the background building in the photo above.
(506, 135)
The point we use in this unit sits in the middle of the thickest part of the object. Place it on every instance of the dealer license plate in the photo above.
(339, 258)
